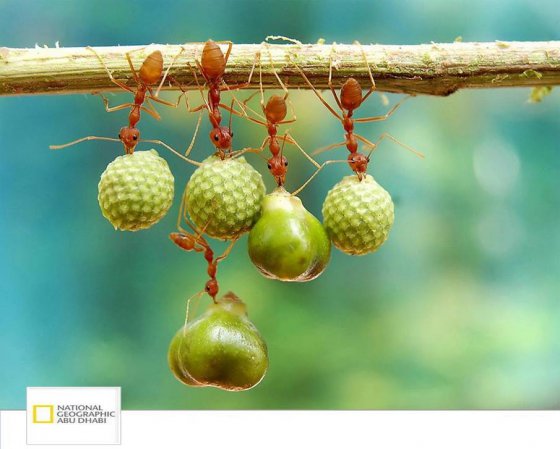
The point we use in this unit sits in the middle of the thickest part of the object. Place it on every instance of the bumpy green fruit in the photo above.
(222, 349)
(224, 197)
(358, 215)
(287, 242)
(136, 190)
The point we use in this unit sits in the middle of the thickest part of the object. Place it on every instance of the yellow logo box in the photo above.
(43, 414)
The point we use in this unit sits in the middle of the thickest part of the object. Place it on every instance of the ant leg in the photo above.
(380, 118)
(244, 107)
(394, 139)
(293, 141)
(190, 147)
(114, 108)
(166, 103)
(323, 165)
(167, 71)
(83, 139)
(132, 69)
(252, 150)
(331, 87)
(261, 89)
(228, 51)
(152, 111)
(282, 85)
(197, 109)
(328, 148)
(373, 86)
(241, 85)
(182, 208)
(248, 99)
(196, 296)
(113, 80)
(241, 114)
(317, 93)
(285, 122)
(174, 151)
(200, 89)
(227, 251)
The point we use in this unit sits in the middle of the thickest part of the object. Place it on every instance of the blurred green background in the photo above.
(459, 309)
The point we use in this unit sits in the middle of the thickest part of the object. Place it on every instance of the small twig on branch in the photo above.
(433, 69)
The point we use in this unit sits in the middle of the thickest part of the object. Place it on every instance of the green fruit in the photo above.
(224, 197)
(358, 215)
(221, 349)
(288, 243)
(136, 190)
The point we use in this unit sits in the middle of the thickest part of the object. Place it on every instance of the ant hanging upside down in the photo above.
(350, 99)
(195, 241)
(146, 78)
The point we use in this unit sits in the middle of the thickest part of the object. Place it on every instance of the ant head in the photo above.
(212, 288)
(221, 137)
(276, 109)
(278, 166)
(358, 162)
(129, 136)
(351, 94)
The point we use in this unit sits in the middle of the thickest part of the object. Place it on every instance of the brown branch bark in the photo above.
(432, 69)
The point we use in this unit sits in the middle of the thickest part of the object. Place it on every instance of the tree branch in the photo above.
(433, 69)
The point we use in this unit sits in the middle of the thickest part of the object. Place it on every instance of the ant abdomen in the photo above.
(351, 94)
(152, 68)
(213, 61)
(183, 241)
(276, 109)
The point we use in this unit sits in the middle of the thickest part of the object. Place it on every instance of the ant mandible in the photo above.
(351, 98)
(275, 112)
(146, 78)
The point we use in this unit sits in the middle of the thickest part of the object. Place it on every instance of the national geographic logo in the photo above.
(73, 415)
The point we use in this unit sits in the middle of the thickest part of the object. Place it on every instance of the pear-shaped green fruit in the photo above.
(287, 242)
(222, 348)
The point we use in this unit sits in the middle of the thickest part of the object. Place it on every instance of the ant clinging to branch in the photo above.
(275, 111)
(350, 99)
(212, 67)
(146, 78)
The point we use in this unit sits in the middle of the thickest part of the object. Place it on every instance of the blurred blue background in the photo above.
(459, 309)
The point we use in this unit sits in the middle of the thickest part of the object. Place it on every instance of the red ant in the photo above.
(275, 112)
(149, 74)
(212, 66)
(351, 99)
(196, 242)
